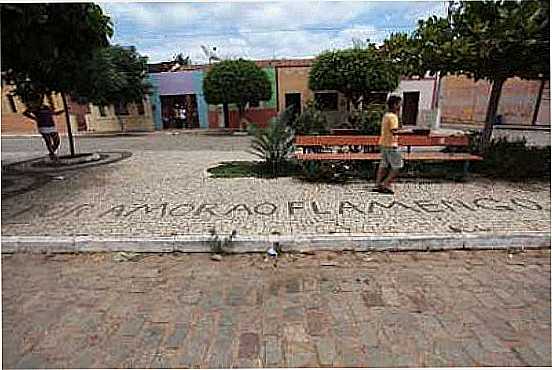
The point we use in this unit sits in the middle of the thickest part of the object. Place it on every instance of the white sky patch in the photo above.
(259, 30)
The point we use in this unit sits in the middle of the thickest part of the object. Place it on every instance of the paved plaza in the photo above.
(163, 189)
(340, 309)
(457, 308)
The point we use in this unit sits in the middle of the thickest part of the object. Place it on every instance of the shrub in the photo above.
(512, 160)
(367, 121)
(324, 171)
(274, 144)
(310, 122)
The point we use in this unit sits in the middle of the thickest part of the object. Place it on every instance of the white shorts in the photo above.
(47, 130)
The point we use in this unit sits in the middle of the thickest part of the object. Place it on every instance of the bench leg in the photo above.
(466, 168)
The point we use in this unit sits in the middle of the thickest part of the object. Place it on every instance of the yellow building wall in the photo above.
(296, 80)
(293, 80)
(15, 123)
(465, 101)
(110, 122)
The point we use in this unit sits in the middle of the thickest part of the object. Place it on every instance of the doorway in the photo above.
(410, 107)
(293, 99)
(171, 111)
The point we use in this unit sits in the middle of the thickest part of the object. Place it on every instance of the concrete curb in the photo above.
(288, 243)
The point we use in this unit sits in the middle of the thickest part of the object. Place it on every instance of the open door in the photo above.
(410, 107)
(294, 99)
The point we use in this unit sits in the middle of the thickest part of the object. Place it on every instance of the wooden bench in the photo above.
(364, 148)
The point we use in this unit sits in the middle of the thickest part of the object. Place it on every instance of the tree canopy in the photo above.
(45, 45)
(236, 82)
(119, 75)
(491, 40)
(65, 48)
(355, 72)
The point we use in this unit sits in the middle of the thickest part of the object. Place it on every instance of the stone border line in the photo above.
(27, 167)
(287, 243)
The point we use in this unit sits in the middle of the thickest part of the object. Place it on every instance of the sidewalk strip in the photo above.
(288, 243)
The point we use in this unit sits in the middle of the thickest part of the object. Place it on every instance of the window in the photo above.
(121, 109)
(11, 101)
(294, 100)
(375, 98)
(101, 108)
(140, 108)
(326, 101)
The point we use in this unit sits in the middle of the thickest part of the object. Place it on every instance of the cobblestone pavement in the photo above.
(436, 309)
(166, 193)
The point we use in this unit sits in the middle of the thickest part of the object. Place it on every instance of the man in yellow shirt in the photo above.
(391, 160)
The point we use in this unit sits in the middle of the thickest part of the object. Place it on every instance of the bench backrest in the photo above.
(406, 140)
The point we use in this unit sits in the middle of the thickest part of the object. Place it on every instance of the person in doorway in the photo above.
(179, 115)
(391, 160)
(46, 127)
(184, 117)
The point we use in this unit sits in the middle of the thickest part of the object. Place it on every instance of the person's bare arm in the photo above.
(27, 113)
(398, 131)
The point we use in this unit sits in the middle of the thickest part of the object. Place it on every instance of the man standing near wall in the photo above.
(391, 160)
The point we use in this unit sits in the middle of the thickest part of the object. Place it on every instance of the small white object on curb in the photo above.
(272, 252)
(216, 257)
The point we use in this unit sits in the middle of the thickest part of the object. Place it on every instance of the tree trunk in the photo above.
(240, 115)
(68, 121)
(537, 106)
(226, 115)
(490, 118)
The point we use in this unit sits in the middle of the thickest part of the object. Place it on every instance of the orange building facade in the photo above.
(465, 101)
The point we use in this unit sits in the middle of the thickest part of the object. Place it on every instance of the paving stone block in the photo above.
(293, 285)
(380, 357)
(300, 354)
(273, 355)
(32, 360)
(178, 335)
(530, 358)
(326, 349)
(248, 345)
(131, 326)
(196, 345)
(372, 299)
(368, 332)
(221, 353)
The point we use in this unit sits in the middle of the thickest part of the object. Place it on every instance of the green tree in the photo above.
(119, 77)
(355, 72)
(44, 46)
(181, 60)
(236, 82)
(491, 40)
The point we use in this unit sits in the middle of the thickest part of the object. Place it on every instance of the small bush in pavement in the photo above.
(274, 144)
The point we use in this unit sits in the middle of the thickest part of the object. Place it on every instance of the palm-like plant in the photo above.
(274, 144)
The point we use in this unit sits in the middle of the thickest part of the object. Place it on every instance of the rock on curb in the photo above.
(288, 243)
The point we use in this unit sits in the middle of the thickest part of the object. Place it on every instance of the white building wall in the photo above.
(425, 87)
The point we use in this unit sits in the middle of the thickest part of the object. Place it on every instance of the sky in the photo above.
(259, 30)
